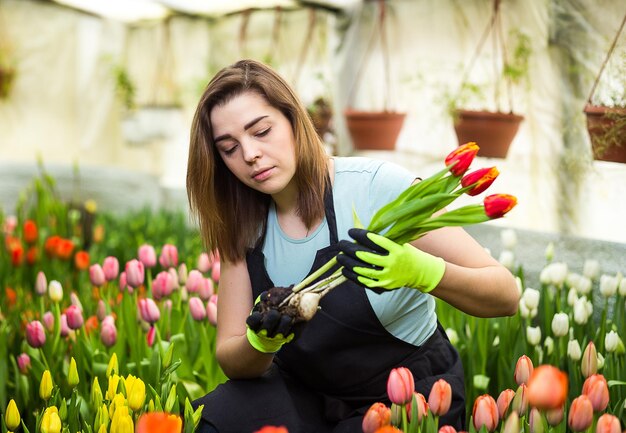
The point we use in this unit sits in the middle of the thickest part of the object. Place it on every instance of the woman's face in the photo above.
(256, 142)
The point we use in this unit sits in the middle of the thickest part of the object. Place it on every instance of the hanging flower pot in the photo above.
(374, 130)
(494, 131)
(607, 131)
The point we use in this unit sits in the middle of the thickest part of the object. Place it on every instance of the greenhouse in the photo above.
(285, 216)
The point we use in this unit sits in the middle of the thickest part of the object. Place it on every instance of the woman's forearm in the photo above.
(239, 360)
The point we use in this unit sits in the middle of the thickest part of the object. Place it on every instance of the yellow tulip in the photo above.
(119, 401)
(72, 375)
(135, 392)
(102, 429)
(122, 421)
(96, 393)
(102, 418)
(51, 422)
(12, 416)
(112, 389)
(45, 386)
(113, 367)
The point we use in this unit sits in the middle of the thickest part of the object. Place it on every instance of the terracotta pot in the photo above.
(492, 131)
(607, 130)
(374, 130)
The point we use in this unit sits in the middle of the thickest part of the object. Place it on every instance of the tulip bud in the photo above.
(74, 317)
(35, 334)
(547, 387)
(589, 363)
(72, 375)
(134, 273)
(124, 284)
(479, 180)
(171, 399)
(533, 335)
(211, 310)
(96, 275)
(447, 429)
(147, 255)
(169, 256)
(110, 268)
(194, 280)
(149, 310)
(102, 418)
(114, 381)
(549, 252)
(112, 368)
(531, 298)
(65, 329)
(485, 413)
(396, 413)
(573, 350)
(205, 289)
(523, 370)
(163, 285)
(580, 415)
(108, 331)
(101, 310)
(12, 416)
(422, 407)
(497, 205)
(459, 160)
(23, 363)
(203, 264)
(96, 393)
(597, 389)
(196, 307)
(555, 416)
(150, 336)
(45, 386)
(507, 259)
(440, 398)
(534, 421)
(608, 423)
(41, 284)
(63, 410)
(135, 392)
(520, 400)
(182, 273)
(504, 400)
(51, 422)
(400, 385)
(377, 416)
(216, 271)
(611, 341)
(169, 354)
(55, 291)
(608, 285)
(511, 425)
(560, 324)
(548, 343)
(453, 336)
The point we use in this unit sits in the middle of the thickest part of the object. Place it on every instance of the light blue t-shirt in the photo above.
(366, 185)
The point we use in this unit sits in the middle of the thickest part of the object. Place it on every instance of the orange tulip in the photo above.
(52, 245)
(388, 429)
(377, 416)
(65, 247)
(400, 385)
(485, 413)
(11, 296)
(440, 398)
(596, 388)
(608, 423)
(30, 232)
(272, 429)
(589, 363)
(32, 255)
(580, 414)
(81, 260)
(497, 205)
(422, 407)
(161, 422)
(479, 180)
(461, 158)
(520, 400)
(523, 370)
(504, 400)
(547, 387)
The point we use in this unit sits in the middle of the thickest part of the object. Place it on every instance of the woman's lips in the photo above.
(262, 175)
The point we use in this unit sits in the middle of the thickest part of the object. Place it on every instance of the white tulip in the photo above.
(573, 350)
(572, 279)
(622, 287)
(549, 345)
(452, 336)
(600, 361)
(496, 341)
(589, 306)
(608, 285)
(533, 335)
(572, 296)
(611, 340)
(55, 291)
(580, 311)
(507, 259)
(508, 238)
(549, 253)
(591, 268)
(560, 324)
(518, 283)
(555, 274)
(531, 298)
(584, 285)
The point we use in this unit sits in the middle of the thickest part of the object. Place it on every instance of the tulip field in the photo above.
(107, 324)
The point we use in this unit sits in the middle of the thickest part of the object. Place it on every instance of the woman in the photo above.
(276, 206)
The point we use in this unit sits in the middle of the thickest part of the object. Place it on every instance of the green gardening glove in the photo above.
(268, 330)
(377, 262)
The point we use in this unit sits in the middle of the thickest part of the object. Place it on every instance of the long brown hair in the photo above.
(230, 214)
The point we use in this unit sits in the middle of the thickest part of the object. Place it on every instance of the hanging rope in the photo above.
(243, 32)
(306, 45)
(275, 35)
(606, 60)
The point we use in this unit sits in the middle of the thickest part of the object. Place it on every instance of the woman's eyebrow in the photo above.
(247, 126)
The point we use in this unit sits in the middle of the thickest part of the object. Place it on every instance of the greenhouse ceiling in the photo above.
(139, 10)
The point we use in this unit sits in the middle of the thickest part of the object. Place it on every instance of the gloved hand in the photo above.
(268, 330)
(375, 261)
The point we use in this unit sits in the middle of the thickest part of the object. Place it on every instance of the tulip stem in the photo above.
(43, 358)
(404, 420)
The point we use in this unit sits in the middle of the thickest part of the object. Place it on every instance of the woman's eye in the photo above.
(230, 150)
(263, 133)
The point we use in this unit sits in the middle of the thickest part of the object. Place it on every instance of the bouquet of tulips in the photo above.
(411, 215)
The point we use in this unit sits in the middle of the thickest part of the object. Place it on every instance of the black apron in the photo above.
(335, 368)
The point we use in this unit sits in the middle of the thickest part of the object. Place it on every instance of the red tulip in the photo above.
(35, 334)
(150, 336)
(400, 385)
(608, 423)
(596, 388)
(52, 245)
(589, 363)
(580, 414)
(111, 267)
(32, 255)
(485, 413)
(523, 370)
(479, 180)
(377, 416)
(134, 273)
(461, 158)
(440, 398)
(147, 255)
(30, 232)
(65, 247)
(161, 422)
(169, 256)
(74, 317)
(547, 387)
(504, 400)
(81, 260)
(497, 205)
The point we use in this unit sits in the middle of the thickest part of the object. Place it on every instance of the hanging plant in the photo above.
(7, 64)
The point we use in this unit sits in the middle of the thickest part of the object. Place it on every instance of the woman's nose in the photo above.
(251, 150)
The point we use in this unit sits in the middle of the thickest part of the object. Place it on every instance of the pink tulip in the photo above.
(204, 264)
(422, 407)
(196, 307)
(216, 271)
(150, 336)
(147, 255)
(74, 317)
(134, 273)
(41, 284)
(65, 329)
(211, 310)
(182, 273)
(580, 415)
(555, 416)
(504, 400)
(108, 331)
(96, 275)
(400, 385)
(123, 283)
(523, 370)
(169, 256)
(23, 363)
(608, 423)
(167, 306)
(194, 280)
(447, 429)
(205, 289)
(35, 334)
(547, 387)
(149, 310)
(589, 363)
(377, 416)
(74, 300)
(511, 425)
(440, 398)
(534, 421)
(163, 285)
(111, 267)
(520, 400)
(48, 321)
(485, 413)
(597, 389)
(101, 310)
